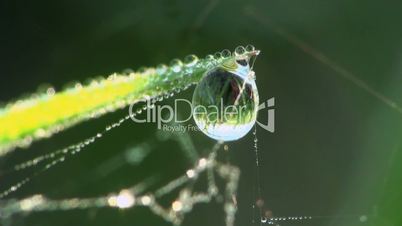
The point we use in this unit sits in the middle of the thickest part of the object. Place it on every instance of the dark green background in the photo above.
(336, 149)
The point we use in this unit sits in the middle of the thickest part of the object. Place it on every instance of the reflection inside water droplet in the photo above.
(225, 102)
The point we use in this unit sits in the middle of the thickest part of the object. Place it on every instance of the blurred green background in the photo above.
(336, 149)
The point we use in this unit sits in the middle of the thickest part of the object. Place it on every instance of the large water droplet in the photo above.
(225, 103)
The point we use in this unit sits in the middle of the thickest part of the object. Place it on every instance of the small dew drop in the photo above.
(218, 55)
(161, 69)
(260, 203)
(142, 70)
(250, 48)
(177, 90)
(209, 57)
(177, 206)
(78, 86)
(240, 50)
(190, 60)
(40, 133)
(213, 190)
(125, 199)
(176, 65)
(190, 173)
(50, 91)
(226, 53)
(202, 163)
(146, 200)
(128, 71)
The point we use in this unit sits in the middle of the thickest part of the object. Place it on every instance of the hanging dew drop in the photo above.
(225, 102)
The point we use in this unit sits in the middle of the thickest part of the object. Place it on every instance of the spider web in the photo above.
(138, 195)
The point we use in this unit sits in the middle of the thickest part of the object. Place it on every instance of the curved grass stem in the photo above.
(42, 115)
